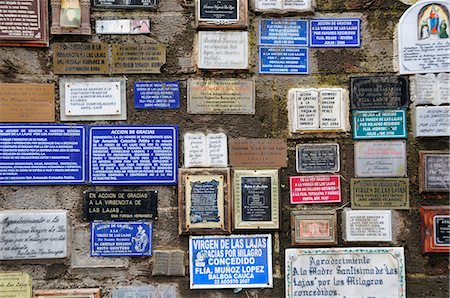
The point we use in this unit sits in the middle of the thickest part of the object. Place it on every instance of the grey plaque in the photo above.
(168, 263)
(160, 291)
(318, 158)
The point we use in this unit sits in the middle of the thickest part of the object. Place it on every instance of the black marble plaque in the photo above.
(120, 205)
(218, 10)
(204, 202)
(317, 158)
(256, 198)
(379, 92)
(442, 229)
(131, 4)
(437, 172)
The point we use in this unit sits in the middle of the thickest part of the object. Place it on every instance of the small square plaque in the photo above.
(435, 227)
(434, 171)
(367, 225)
(313, 228)
(169, 263)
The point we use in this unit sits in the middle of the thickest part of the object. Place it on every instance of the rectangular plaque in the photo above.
(223, 50)
(33, 234)
(135, 154)
(221, 96)
(27, 102)
(346, 272)
(205, 150)
(434, 171)
(432, 89)
(137, 58)
(120, 205)
(236, 261)
(151, 291)
(141, 26)
(68, 293)
(313, 227)
(379, 124)
(432, 121)
(15, 285)
(157, 95)
(223, 14)
(80, 58)
(283, 60)
(115, 239)
(380, 159)
(380, 193)
(256, 199)
(135, 4)
(169, 263)
(315, 189)
(367, 225)
(283, 32)
(335, 33)
(317, 158)
(25, 23)
(379, 92)
(282, 6)
(42, 154)
(204, 201)
(435, 229)
(258, 153)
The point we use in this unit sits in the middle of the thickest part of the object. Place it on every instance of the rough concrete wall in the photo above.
(173, 25)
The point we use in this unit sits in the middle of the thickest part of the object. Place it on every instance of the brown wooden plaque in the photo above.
(435, 227)
(138, 58)
(24, 23)
(71, 17)
(80, 58)
(434, 171)
(258, 152)
(313, 227)
(204, 204)
(27, 103)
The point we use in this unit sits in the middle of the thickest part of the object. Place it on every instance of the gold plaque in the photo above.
(27, 103)
(313, 227)
(138, 58)
(80, 58)
(15, 285)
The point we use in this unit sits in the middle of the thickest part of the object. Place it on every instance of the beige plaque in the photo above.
(137, 58)
(226, 96)
(15, 285)
(380, 193)
(313, 227)
(27, 103)
(69, 293)
(80, 58)
(258, 153)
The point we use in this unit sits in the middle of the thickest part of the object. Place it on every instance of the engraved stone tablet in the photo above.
(137, 58)
(139, 4)
(202, 150)
(313, 227)
(380, 159)
(226, 96)
(367, 225)
(346, 272)
(435, 228)
(24, 23)
(423, 38)
(432, 89)
(434, 171)
(379, 92)
(258, 153)
(27, 102)
(169, 263)
(385, 193)
(33, 234)
(222, 50)
(80, 58)
(161, 290)
(15, 285)
(432, 121)
(317, 158)
(315, 189)
(379, 124)
(223, 14)
(120, 205)
(92, 99)
(141, 26)
(282, 6)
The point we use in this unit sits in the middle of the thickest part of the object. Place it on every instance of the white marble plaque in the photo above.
(122, 26)
(432, 121)
(33, 234)
(222, 50)
(380, 159)
(363, 272)
(283, 5)
(330, 108)
(432, 89)
(423, 38)
(443, 87)
(306, 109)
(202, 150)
(367, 225)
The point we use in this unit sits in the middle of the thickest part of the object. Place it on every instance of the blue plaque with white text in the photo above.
(136, 154)
(116, 239)
(379, 124)
(335, 33)
(157, 95)
(42, 154)
(287, 32)
(283, 60)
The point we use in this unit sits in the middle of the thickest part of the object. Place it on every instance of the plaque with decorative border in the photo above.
(313, 227)
(434, 171)
(435, 229)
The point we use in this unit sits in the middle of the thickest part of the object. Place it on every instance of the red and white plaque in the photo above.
(315, 189)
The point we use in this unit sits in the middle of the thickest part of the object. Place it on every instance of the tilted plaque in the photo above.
(435, 227)
(380, 193)
(434, 171)
(313, 227)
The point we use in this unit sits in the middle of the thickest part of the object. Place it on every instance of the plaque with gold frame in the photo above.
(313, 227)
(69, 293)
(435, 229)
(204, 201)
(256, 199)
(71, 17)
